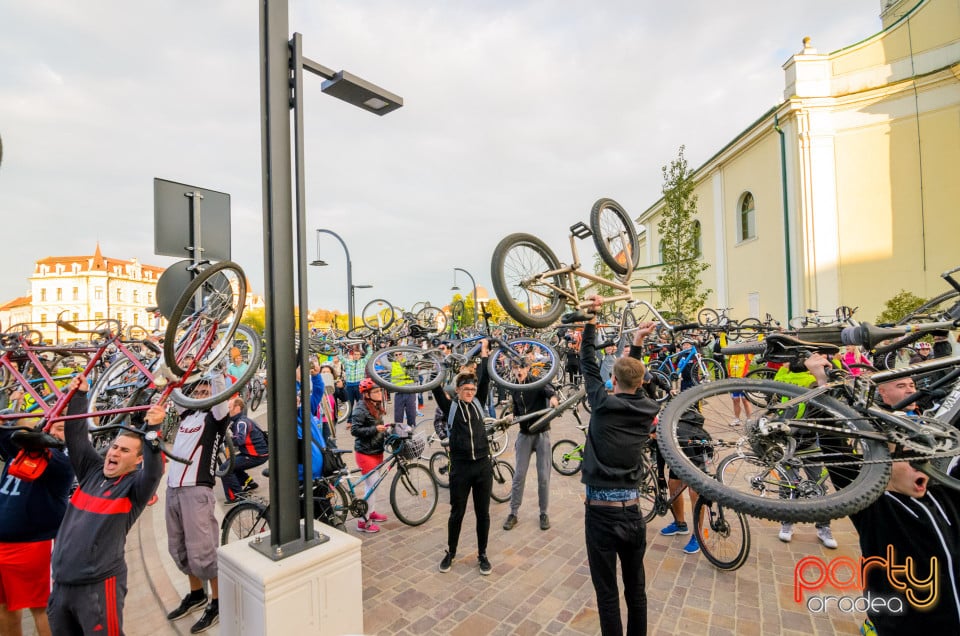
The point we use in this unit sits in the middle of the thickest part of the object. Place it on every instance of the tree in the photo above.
(255, 318)
(901, 304)
(601, 269)
(679, 281)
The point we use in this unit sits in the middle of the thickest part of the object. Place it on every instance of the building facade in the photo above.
(87, 290)
(844, 193)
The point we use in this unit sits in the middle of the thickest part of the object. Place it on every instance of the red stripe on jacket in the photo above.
(100, 505)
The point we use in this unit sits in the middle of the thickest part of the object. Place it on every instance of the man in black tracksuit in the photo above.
(89, 570)
(620, 426)
(470, 466)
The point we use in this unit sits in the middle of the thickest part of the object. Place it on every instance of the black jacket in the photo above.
(530, 401)
(620, 425)
(363, 426)
(467, 432)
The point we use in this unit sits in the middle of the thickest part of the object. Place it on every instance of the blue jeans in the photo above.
(613, 532)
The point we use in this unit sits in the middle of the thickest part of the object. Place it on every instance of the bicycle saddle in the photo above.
(576, 316)
(778, 347)
(35, 440)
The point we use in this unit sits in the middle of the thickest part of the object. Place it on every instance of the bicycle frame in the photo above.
(675, 369)
(389, 462)
(574, 270)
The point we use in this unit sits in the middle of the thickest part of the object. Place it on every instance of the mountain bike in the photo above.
(535, 288)
(851, 432)
(502, 469)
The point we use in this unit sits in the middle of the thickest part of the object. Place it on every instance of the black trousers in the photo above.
(93, 608)
(613, 532)
(468, 476)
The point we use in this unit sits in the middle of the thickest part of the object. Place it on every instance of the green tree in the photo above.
(679, 284)
(901, 304)
(255, 318)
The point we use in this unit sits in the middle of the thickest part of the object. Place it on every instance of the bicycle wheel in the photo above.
(708, 317)
(567, 457)
(440, 468)
(748, 329)
(405, 369)
(251, 345)
(413, 494)
(615, 237)
(432, 318)
(457, 310)
(499, 442)
(708, 370)
(749, 473)
(338, 498)
(502, 481)
(378, 314)
(256, 395)
(933, 309)
(204, 319)
(123, 384)
(860, 466)
(543, 361)
(760, 373)
(225, 456)
(723, 534)
(648, 492)
(519, 261)
(660, 387)
(246, 519)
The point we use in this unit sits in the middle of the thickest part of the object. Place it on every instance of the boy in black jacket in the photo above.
(620, 426)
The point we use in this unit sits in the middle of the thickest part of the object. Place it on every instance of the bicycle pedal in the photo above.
(580, 230)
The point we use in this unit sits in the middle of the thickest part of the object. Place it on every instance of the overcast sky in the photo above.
(517, 116)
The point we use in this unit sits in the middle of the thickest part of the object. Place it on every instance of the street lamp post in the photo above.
(282, 66)
(455, 288)
(351, 302)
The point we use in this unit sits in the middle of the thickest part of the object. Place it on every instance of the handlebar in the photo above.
(867, 335)
(150, 438)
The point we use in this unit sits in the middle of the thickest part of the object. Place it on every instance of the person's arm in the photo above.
(147, 480)
(441, 398)
(240, 429)
(551, 395)
(218, 385)
(83, 456)
(317, 387)
(483, 376)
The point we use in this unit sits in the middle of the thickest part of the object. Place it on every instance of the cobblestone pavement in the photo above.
(540, 582)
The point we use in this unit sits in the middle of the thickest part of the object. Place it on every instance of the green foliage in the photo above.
(602, 270)
(255, 318)
(679, 284)
(901, 304)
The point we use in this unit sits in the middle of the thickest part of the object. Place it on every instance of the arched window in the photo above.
(661, 250)
(698, 238)
(747, 221)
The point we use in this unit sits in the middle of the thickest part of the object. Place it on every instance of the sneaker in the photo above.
(544, 522)
(376, 516)
(230, 502)
(692, 547)
(736, 422)
(510, 522)
(485, 567)
(211, 616)
(826, 537)
(250, 485)
(367, 526)
(190, 603)
(447, 561)
(675, 528)
(786, 532)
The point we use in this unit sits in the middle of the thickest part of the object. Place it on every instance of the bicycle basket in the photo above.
(413, 447)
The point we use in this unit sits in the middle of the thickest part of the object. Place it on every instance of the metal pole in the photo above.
(350, 307)
(284, 516)
(474, 283)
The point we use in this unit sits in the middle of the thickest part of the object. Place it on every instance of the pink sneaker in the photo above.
(376, 516)
(369, 526)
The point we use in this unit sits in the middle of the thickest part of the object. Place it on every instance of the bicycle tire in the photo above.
(542, 359)
(378, 314)
(748, 472)
(931, 310)
(432, 318)
(748, 329)
(498, 442)
(413, 494)
(416, 364)
(440, 468)
(726, 542)
(760, 373)
(614, 234)
(661, 386)
(222, 289)
(564, 457)
(517, 259)
(360, 332)
(708, 370)
(502, 481)
(226, 453)
(869, 458)
(181, 395)
(121, 385)
(648, 491)
(244, 520)
(708, 317)
(256, 396)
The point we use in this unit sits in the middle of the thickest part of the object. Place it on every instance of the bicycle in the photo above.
(534, 288)
(853, 433)
(669, 371)
(502, 470)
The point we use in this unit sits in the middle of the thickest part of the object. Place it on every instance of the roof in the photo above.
(96, 262)
(22, 301)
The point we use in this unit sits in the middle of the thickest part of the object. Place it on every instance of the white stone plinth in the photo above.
(318, 591)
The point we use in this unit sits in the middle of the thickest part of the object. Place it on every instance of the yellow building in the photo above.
(848, 190)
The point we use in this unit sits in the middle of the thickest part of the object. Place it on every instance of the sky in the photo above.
(517, 116)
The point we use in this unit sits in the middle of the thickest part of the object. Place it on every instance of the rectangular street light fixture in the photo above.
(359, 92)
